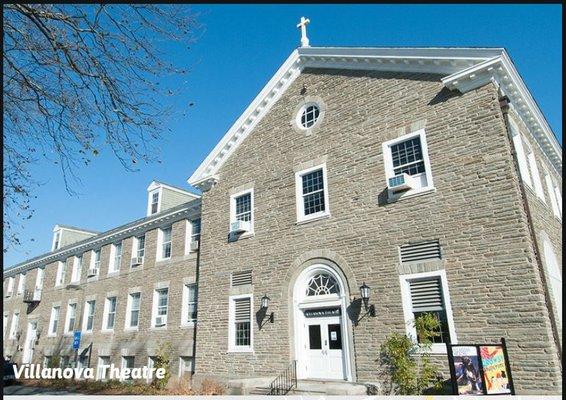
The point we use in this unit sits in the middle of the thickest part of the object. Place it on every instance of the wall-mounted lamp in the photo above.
(264, 305)
(365, 291)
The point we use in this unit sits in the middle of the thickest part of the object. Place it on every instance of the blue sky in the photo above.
(238, 52)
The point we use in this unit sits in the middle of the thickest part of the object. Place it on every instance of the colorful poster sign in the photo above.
(467, 370)
(496, 375)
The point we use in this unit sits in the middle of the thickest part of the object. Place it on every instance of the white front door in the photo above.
(324, 348)
(30, 342)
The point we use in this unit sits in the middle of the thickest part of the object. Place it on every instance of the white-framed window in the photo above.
(102, 367)
(56, 240)
(71, 317)
(242, 209)
(160, 307)
(520, 154)
(88, 318)
(189, 309)
(133, 310)
(46, 361)
(128, 363)
(39, 278)
(553, 194)
(10, 287)
(15, 326)
(138, 250)
(553, 276)
(21, 284)
(4, 324)
(95, 262)
(61, 271)
(534, 172)
(77, 266)
(115, 257)
(153, 202)
(54, 320)
(427, 293)
(308, 115)
(311, 193)
(408, 154)
(186, 366)
(109, 314)
(240, 327)
(164, 244)
(150, 364)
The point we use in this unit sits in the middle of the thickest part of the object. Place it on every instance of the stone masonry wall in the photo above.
(475, 212)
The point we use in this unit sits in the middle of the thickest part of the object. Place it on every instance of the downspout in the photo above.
(504, 104)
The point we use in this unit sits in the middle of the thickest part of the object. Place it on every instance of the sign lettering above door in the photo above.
(322, 312)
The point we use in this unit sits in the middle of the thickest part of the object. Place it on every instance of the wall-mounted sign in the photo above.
(322, 312)
(480, 369)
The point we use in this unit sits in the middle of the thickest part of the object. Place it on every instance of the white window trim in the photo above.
(60, 276)
(185, 306)
(159, 255)
(232, 348)
(39, 278)
(112, 267)
(14, 326)
(551, 189)
(436, 348)
(76, 273)
(50, 332)
(388, 163)
(66, 330)
(128, 318)
(10, 286)
(85, 316)
(135, 249)
(149, 201)
(535, 175)
(189, 236)
(107, 312)
(123, 365)
(154, 307)
(21, 284)
(520, 154)
(233, 210)
(93, 262)
(182, 363)
(300, 205)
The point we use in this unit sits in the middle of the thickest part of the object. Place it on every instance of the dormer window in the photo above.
(56, 240)
(154, 202)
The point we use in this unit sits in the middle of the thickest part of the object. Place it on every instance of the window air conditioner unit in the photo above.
(92, 271)
(194, 245)
(240, 226)
(400, 183)
(137, 261)
(161, 320)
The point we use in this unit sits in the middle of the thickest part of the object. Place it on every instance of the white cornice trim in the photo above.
(467, 68)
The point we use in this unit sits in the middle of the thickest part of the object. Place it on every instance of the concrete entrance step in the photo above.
(329, 387)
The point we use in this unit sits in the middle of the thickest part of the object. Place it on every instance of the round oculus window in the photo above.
(308, 115)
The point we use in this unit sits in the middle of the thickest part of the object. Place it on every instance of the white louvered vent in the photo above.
(243, 309)
(421, 251)
(241, 278)
(426, 295)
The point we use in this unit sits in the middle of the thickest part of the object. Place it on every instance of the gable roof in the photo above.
(464, 69)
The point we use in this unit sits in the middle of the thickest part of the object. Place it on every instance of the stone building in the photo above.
(428, 175)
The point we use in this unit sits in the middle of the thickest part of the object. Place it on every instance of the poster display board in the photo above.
(480, 369)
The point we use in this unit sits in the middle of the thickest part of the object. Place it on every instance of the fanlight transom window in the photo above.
(321, 284)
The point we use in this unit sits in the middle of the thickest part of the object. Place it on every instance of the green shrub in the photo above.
(408, 363)
(163, 360)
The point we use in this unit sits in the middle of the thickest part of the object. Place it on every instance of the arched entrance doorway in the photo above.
(322, 345)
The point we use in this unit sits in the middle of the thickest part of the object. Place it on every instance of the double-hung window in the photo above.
(154, 204)
(406, 160)
(109, 313)
(189, 310)
(39, 278)
(21, 284)
(160, 301)
(54, 321)
(427, 293)
(533, 169)
(241, 212)
(311, 191)
(195, 230)
(240, 326)
(94, 263)
(10, 287)
(133, 310)
(71, 317)
(88, 322)
(128, 363)
(77, 265)
(116, 259)
(554, 194)
(164, 247)
(60, 277)
(139, 251)
(15, 325)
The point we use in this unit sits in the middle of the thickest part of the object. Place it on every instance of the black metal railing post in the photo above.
(286, 380)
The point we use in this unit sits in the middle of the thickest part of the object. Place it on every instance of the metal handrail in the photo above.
(285, 381)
